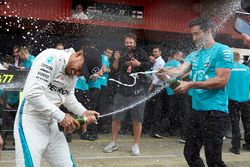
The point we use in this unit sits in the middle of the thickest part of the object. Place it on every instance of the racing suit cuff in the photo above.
(59, 116)
(80, 110)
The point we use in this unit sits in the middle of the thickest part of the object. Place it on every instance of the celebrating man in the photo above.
(49, 84)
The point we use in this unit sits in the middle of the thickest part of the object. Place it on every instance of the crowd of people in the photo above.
(215, 87)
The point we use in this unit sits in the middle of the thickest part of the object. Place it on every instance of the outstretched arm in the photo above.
(174, 72)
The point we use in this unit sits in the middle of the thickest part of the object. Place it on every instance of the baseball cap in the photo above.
(92, 61)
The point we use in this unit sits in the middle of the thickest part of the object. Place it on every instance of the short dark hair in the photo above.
(59, 44)
(16, 47)
(204, 23)
(108, 49)
(131, 35)
(156, 47)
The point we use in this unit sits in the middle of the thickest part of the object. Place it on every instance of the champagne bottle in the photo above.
(81, 120)
(77, 122)
(172, 82)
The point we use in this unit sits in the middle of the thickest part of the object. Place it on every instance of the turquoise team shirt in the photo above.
(105, 77)
(239, 83)
(204, 64)
(190, 79)
(27, 63)
(81, 83)
(171, 64)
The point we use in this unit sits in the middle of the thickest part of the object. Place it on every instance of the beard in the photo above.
(130, 49)
(201, 43)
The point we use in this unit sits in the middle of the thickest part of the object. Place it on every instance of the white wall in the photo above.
(242, 52)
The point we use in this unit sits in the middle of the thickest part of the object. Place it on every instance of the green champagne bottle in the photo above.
(81, 120)
(172, 82)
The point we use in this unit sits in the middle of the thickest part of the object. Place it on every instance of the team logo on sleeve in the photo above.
(50, 60)
(227, 55)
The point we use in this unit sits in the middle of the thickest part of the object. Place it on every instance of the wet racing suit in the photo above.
(36, 125)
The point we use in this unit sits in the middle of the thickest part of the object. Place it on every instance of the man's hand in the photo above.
(162, 74)
(76, 124)
(67, 121)
(69, 124)
(246, 39)
(183, 87)
(94, 77)
(91, 116)
(135, 63)
(105, 69)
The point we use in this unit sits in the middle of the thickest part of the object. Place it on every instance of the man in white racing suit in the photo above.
(49, 84)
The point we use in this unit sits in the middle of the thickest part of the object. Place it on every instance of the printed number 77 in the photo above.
(6, 78)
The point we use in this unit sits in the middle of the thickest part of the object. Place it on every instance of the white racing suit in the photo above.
(36, 129)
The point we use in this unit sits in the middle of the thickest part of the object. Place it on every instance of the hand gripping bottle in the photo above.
(172, 82)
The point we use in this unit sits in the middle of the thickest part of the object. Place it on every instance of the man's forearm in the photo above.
(179, 71)
(175, 72)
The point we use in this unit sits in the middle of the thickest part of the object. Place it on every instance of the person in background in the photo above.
(26, 57)
(80, 13)
(94, 83)
(16, 55)
(210, 67)
(87, 90)
(176, 105)
(59, 46)
(239, 103)
(105, 90)
(12, 62)
(147, 120)
(82, 94)
(158, 100)
(131, 59)
(12, 97)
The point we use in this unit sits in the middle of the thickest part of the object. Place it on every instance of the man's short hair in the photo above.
(204, 23)
(108, 49)
(16, 47)
(59, 44)
(131, 35)
(156, 47)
